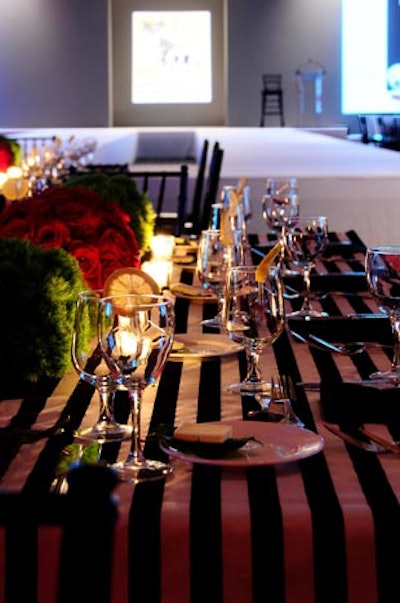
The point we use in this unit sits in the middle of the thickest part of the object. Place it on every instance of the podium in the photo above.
(309, 80)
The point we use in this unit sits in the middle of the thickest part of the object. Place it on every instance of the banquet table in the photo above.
(323, 528)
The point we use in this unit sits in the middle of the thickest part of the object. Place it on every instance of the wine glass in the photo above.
(305, 241)
(136, 334)
(254, 317)
(89, 364)
(218, 251)
(280, 207)
(382, 267)
(280, 204)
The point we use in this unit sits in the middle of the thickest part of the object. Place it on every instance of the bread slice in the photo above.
(203, 432)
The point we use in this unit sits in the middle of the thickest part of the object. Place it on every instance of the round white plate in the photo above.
(203, 346)
(201, 297)
(276, 444)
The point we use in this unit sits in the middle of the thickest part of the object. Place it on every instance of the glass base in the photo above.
(392, 377)
(104, 432)
(250, 388)
(213, 323)
(149, 470)
(307, 314)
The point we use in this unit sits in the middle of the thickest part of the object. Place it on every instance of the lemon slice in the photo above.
(127, 281)
(267, 261)
(226, 229)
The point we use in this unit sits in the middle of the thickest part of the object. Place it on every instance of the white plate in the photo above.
(183, 259)
(276, 444)
(203, 346)
(196, 295)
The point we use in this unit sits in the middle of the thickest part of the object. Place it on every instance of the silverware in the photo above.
(390, 446)
(351, 439)
(348, 349)
(277, 405)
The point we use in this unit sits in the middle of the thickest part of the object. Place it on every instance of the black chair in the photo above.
(272, 97)
(164, 186)
(198, 190)
(212, 187)
(86, 516)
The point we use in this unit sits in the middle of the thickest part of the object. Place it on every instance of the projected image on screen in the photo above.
(370, 56)
(171, 57)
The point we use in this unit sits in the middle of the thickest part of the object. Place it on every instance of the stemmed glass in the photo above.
(280, 204)
(305, 241)
(280, 207)
(91, 368)
(136, 335)
(382, 267)
(217, 252)
(254, 317)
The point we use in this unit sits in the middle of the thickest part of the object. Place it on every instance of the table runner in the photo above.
(324, 529)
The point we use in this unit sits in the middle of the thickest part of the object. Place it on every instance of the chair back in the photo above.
(198, 188)
(272, 82)
(213, 179)
(162, 186)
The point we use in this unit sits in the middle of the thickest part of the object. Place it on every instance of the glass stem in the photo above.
(136, 456)
(106, 395)
(307, 281)
(395, 325)
(253, 353)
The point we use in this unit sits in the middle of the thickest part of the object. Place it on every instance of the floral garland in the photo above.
(94, 231)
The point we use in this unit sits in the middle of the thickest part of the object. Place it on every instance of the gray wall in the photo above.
(54, 60)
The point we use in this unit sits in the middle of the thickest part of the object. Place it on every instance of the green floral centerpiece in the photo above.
(38, 289)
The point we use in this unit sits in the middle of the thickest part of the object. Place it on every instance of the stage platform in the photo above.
(356, 186)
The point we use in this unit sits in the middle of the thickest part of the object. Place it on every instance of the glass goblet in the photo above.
(280, 207)
(253, 317)
(305, 241)
(280, 204)
(382, 268)
(91, 368)
(136, 334)
(216, 253)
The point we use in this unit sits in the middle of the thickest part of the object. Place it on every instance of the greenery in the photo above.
(38, 289)
(122, 189)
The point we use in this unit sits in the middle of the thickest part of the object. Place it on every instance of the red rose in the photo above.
(89, 261)
(56, 234)
(95, 231)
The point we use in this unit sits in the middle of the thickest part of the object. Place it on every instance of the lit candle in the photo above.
(128, 343)
(159, 270)
(162, 247)
(15, 186)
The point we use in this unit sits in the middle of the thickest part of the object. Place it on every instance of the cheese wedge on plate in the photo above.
(203, 432)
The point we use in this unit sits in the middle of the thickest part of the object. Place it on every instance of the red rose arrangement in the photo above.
(96, 232)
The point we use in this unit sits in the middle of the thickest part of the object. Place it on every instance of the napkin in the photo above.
(361, 402)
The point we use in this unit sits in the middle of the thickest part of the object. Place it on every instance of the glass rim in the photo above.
(149, 299)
